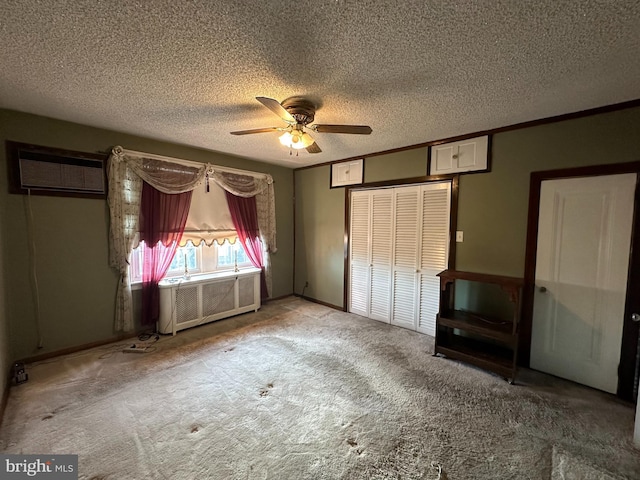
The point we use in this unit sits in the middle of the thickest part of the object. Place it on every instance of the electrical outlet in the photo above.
(459, 236)
(306, 284)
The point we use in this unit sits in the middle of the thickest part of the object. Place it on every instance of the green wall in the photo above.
(5, 355)
(492, 208)
(77, 288)
(319, 235)
(75, 284)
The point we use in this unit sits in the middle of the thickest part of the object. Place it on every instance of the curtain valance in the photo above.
(167, 177)
(127, 170)
(261, 188)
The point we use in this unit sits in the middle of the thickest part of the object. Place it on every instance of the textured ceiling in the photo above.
(415, 71)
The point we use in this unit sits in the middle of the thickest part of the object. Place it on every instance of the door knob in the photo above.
(635, 317)
(543, 289)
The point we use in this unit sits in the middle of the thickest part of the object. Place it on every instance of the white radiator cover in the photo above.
(206, 298)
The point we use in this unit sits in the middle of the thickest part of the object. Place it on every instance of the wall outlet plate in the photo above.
(459, 236)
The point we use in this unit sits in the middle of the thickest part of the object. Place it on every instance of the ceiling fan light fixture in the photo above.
(286, 139)
(306, 140)
(298, 113)
(296, 139)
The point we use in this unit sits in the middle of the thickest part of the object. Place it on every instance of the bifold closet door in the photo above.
(359, 254)
(421, 251)
(371, 221)
(381, 222)
(399, 241)
(405, 253)
(435, 225)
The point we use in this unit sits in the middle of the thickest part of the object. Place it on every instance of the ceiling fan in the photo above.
(298, 113)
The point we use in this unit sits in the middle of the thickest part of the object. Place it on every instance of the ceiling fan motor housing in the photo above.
(301, 109)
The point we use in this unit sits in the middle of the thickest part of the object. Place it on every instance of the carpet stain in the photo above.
(194, 429)
(353, 444)
(229, 349)
(265, 391)
(47, 417)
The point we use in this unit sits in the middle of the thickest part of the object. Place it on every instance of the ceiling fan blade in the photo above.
(357, 129)
(256, 130)
(276, 108)
(313, 148)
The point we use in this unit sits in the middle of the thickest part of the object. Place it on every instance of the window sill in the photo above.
(200, 277)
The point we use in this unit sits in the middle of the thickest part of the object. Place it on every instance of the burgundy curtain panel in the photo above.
(162, 220)
(245, 220)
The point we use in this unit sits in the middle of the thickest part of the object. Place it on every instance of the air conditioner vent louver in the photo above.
(48, 171)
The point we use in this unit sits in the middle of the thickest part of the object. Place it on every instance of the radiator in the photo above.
(206, 298)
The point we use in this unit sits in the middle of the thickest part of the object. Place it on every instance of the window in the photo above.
(229, 254)
(198, 259)
(185, 256)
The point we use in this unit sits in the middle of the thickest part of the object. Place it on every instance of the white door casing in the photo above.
(584, 235)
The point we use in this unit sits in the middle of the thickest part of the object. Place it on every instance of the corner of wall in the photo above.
(5, 360)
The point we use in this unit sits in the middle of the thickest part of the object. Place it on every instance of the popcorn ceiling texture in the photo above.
(415, 71)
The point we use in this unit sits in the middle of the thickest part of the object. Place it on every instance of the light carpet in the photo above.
(301, 391)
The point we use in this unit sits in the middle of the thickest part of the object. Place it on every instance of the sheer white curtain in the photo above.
(126, 174)
(125, 190)
(127, 170)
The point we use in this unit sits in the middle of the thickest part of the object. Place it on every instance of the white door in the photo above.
(434, 252)
(371, 244)
(399, 242)
(381, 243)
(360, 265)
(405, 255)
(584, 237)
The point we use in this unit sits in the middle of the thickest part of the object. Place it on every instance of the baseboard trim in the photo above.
(78, 348)
(281, 297)
(320, 302)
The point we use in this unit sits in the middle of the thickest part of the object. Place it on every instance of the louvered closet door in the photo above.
(381, 244)
(434, 251)
(405, 257)
(359, 274)
(399, 241)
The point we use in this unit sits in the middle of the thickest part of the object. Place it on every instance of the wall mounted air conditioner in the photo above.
(41, 170)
